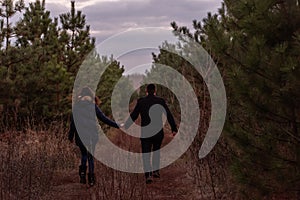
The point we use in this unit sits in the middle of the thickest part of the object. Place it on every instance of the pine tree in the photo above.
(75, 37)
(256, 44)
(41, 78)
(35, 25)
(38, 34)
(108, 81)
(7, 10)
(43, 64)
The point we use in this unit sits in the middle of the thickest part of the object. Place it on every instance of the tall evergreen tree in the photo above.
(43, 64)
(108, 81)
(41, 81)
(7, 10)
(35, 26)
(75, 37)
(256, 44)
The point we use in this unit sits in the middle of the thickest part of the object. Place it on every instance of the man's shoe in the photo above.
(156, 174)
(149, 180)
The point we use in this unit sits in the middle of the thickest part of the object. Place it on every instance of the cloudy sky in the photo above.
(109, 17)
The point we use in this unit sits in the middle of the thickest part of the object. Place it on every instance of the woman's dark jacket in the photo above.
(86, 128)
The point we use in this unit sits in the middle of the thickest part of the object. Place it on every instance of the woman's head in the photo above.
(86, 91)
(86, 94)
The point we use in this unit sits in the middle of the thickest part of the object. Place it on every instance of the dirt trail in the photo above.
(173, 184)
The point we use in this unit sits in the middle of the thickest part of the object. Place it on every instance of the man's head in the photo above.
(151, 89)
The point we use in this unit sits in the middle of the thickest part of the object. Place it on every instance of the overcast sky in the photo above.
(109, 17)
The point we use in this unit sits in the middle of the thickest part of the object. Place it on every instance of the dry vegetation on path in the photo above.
(44, 165)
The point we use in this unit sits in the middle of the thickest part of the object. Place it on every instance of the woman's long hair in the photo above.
(87, 91)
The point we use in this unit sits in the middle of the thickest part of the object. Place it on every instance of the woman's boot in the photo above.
(91, 178)
(82, 174)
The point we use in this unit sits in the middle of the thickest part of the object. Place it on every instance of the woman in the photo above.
(84, 126)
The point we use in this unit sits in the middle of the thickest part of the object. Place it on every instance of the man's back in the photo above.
(151, 108)
(146, 104)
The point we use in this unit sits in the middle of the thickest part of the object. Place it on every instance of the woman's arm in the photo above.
(104, 119)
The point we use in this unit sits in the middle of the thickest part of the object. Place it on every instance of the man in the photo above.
(151, 108)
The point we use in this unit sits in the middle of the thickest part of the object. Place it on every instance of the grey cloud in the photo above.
(109, 18)
(56, 9)
(121, 15)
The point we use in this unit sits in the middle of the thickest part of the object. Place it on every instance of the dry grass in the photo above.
(112, 184)
(40, 163)
(30, 158)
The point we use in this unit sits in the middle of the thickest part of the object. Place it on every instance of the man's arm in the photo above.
(133, 115)
(104, 119)
(170, 117)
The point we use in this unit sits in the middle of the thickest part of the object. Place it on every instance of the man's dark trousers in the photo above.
(151, 144)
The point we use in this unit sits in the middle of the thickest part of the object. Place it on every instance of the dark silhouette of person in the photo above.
(86, 130)
(151, 109)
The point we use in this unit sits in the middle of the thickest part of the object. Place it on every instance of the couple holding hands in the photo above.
(151, 133)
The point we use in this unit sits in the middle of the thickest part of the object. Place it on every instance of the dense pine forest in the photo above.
(256, 46)
(40, 57)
